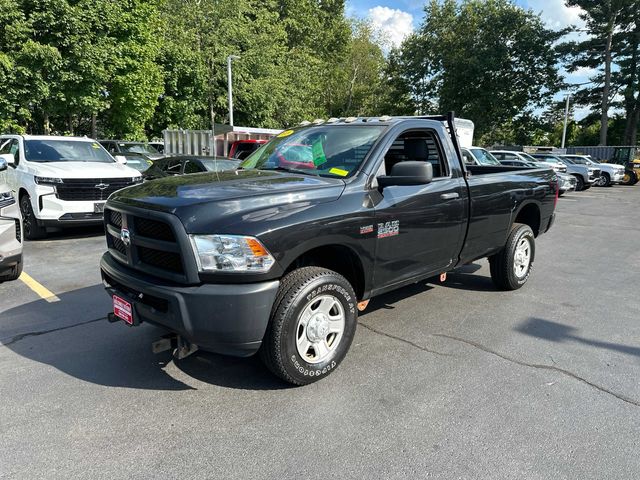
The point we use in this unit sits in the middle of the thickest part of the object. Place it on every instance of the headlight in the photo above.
(230, 253)
(47, 180)
(6, 199)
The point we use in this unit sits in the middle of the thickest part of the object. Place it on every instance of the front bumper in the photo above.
(10, 237)
(229, 319)
(617, 177)
(51, 211)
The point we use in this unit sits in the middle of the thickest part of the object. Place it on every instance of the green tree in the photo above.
(490, 61)
(602, 19)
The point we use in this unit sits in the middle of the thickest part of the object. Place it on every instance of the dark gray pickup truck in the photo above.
(278, 256)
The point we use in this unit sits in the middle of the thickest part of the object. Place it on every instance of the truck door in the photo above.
(419, 228)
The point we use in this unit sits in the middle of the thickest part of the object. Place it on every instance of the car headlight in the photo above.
(230, 253)
(47, 180)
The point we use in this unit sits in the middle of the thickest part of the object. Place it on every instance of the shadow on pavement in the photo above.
(463, 278)
(68, 233)
(556, 332)
(74, 337)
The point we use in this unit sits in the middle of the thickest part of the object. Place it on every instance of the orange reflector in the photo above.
(363, 305)
(443, 277)
(256, 247)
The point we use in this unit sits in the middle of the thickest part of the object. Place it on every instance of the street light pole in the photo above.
(566, 117)
(230, 58)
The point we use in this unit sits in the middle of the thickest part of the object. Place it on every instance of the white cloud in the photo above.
(394, 24)
(555, 13)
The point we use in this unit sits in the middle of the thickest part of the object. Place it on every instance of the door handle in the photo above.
(449, 196)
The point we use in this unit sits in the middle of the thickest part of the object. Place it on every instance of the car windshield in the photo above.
(327, 150)
(527, 157)
(138, 148)
(484, 157)
(54, 150)
(547, 158)
(580, 160)
(215, 165)
(139, 163)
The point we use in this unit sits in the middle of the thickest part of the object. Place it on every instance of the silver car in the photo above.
(10, 232)
(585, 176)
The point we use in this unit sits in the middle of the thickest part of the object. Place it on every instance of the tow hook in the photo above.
(181, 347)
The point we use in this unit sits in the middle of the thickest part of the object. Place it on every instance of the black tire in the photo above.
(634, 179)
(298, 289)
(502, 264)
(15, 272)
(579, 183)
(628, 178)
(32, 231)
(605, 181)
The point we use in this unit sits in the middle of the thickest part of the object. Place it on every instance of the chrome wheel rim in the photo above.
(522, 257)
(320, 328)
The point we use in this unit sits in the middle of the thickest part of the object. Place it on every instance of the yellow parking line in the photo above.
(40, 289)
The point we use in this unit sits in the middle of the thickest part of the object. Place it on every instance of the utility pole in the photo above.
(230, 58)
(566, 118)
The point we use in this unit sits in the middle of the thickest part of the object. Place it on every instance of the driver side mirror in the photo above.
(121, 159)
(408, 173)
(5, 160)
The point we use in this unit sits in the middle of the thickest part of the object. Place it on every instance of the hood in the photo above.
(82, 170)
(232, 196)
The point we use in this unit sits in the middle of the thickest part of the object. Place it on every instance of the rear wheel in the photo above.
(579, 183)
(32, 231)
(312, 325)
(15, 272)
(511, 267)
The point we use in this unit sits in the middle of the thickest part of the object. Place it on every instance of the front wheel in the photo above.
(312, 325)
(628, 178)
(605, 180)
(13, 274)
(32, 231)
(579, 183)
(511, 267)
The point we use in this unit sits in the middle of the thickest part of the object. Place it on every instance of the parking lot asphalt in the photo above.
(452, 380)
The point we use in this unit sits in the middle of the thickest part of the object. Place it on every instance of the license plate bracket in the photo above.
(123, 310)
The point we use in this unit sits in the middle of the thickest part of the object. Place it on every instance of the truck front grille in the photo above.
(91, 189)
(147, 244)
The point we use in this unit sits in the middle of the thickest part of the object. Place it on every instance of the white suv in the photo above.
(61, 180)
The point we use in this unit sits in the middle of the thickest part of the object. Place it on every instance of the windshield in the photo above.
(219, 165)
(138, 148)
(527, 157)
(139, 163)
(53, 150)
(484, 157)
(329, 150)
(547, 158)
(580, 160)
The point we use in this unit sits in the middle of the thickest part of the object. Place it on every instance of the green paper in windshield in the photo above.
(318, 153)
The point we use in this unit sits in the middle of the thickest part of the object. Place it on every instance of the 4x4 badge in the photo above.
(125, 236)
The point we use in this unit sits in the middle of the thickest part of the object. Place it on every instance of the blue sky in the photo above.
(396, 19)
